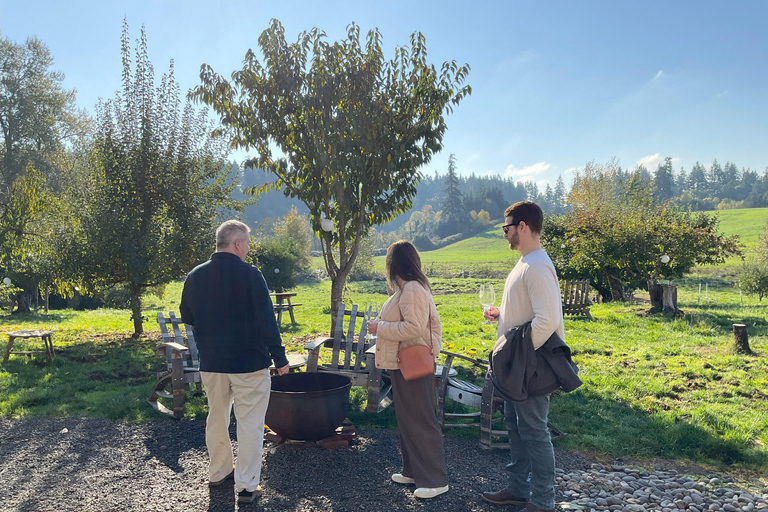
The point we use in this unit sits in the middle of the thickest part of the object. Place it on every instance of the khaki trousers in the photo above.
(250, 393)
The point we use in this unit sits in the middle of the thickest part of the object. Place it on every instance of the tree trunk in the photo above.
(741, 340)
(617, 290)
(138, 326)
(337, 292)
(46, 297)
(22, 303)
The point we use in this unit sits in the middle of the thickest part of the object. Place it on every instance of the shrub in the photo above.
(280, 262)
(285, 254)
(364, 269)
(754, 279)
(423, 243)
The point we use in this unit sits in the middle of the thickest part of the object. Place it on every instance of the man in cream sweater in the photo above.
(531, 294)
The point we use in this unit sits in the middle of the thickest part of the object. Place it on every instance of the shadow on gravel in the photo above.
(169, 440)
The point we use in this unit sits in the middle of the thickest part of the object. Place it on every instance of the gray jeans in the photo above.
(532, 466)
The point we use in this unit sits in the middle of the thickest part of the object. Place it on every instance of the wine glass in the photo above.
(487, 298)
(371, 312)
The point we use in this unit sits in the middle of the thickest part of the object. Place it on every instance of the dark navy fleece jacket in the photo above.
(228, 304)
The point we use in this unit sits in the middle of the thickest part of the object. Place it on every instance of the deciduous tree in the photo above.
(353, 129)
(616, 235)
(159, 183)
(37, 114)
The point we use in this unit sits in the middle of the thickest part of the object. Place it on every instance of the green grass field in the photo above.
(655, 386)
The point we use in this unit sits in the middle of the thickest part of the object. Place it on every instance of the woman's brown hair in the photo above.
(403, 262)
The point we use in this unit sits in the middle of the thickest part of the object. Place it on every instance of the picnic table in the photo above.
(283, 303)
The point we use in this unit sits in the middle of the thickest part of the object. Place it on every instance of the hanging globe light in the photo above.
(665, 259)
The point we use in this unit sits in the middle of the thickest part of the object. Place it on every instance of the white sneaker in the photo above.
(429, 492)
(400, 479)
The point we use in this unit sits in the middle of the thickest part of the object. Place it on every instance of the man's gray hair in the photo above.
(230, 231)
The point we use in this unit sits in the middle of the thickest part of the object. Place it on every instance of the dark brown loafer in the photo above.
(504, 498)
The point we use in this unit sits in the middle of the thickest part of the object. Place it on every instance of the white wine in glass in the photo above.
(371, 312)
(487, 298)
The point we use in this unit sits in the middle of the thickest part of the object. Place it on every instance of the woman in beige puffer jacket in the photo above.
(408, 318)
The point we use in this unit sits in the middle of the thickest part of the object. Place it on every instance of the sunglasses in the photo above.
(506, 227)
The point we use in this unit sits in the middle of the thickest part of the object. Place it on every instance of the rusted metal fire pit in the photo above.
(308, 406)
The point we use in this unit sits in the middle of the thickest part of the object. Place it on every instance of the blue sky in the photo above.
(556, 84)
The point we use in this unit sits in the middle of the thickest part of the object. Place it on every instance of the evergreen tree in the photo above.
(532, 192)
(453, 213)
(716, 176)
(681, 181)
(697, 181)
(731, 178)
(664, 181)
(561, 195)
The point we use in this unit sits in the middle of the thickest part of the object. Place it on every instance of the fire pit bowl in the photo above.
(308, 406)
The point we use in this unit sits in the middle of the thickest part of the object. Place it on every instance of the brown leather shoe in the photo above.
(533, 508)
(503, 497)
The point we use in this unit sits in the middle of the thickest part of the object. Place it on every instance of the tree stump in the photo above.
(741, 340)
(663, 298)
(655, 293)
(669, 299)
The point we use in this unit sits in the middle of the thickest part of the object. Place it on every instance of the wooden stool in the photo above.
(43, 335)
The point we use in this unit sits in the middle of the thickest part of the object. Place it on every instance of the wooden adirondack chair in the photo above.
(352, 357)
(576, 298)
(183, 365)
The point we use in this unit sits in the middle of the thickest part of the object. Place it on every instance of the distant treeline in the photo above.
(712, 187)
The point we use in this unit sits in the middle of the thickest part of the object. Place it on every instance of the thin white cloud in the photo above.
(721, 94)
(571, 170)
(531, 170)
(658, 75)
(651, 162)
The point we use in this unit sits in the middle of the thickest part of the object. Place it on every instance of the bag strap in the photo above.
(429, 323)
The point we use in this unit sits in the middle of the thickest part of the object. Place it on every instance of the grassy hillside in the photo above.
(748, 223)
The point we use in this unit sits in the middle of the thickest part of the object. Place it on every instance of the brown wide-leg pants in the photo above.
(421, 440)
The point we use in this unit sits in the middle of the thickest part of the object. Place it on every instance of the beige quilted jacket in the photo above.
(404, 321)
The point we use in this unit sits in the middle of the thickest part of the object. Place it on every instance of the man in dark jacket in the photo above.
(531, 294)
(228, 303)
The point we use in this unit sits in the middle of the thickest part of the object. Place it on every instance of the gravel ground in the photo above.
(84, 464)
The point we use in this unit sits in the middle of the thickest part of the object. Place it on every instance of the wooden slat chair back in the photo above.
(576, 297)
(182, 362)
(351, 357)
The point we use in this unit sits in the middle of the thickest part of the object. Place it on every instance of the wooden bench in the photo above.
(352, 357)
(182, 365)
(576, 298)
(45, 336)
